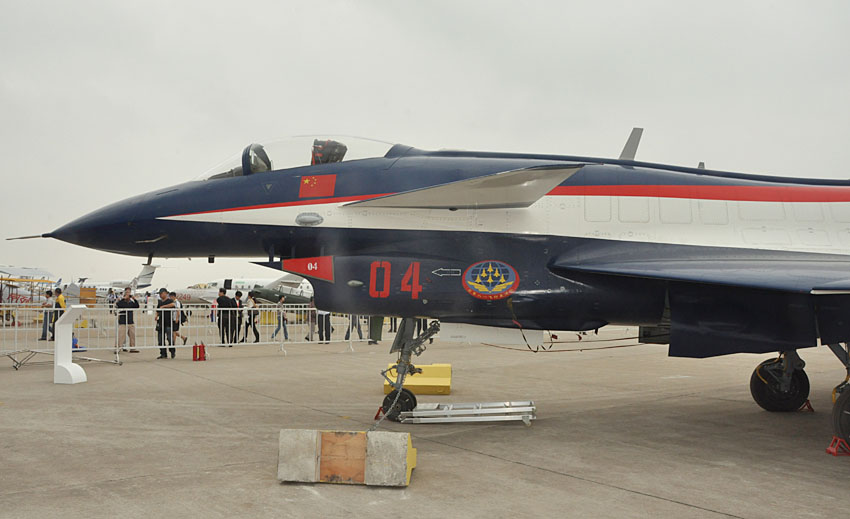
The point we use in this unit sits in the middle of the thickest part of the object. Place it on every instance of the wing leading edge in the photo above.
(801, 276)
(506, 189)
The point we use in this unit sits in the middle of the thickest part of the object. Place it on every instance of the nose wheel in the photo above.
(395, 404)
(781, 384)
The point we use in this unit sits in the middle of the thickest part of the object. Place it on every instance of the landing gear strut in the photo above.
(780, 384)
(400, 399)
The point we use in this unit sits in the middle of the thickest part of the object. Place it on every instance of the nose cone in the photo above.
(78, 232)
(109, 229)
(91, 230)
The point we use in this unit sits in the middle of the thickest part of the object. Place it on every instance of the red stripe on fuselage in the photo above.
(730, 193)
(316, 201)
(697, 192)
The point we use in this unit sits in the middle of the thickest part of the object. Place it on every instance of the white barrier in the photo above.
(96, 327)
(65, 371)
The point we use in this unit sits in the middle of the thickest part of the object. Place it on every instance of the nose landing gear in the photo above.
(401, 399)
(781, 384)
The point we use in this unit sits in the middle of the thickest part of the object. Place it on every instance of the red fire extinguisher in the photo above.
(199, 352)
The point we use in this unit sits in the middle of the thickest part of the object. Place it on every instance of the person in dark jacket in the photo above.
(164, 318)
(126, 327)
(223, 304)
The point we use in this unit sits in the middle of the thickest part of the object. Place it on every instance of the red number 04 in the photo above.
(410, 281)
(373, 279)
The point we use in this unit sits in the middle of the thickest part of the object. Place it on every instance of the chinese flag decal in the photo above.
(321, 267)
(317, 186)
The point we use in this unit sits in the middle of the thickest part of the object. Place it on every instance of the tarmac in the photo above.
(622, 432)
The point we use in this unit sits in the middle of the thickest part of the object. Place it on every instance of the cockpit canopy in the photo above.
(294, 152)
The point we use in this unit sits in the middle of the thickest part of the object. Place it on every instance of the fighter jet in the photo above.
(710, 262)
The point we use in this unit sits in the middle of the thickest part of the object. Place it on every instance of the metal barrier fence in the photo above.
(25, 330)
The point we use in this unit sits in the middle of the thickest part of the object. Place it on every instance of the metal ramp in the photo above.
(522, 410)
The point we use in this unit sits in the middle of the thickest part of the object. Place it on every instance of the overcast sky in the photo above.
(100, 101)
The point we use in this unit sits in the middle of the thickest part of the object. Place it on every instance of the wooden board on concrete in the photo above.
(343, 457)
(380, 458)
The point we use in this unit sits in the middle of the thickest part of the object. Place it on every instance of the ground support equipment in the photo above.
(521, 410)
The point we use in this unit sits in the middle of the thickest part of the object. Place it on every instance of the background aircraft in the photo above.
(140, 282)
(268, 290)
(710, 262)
(24, 284)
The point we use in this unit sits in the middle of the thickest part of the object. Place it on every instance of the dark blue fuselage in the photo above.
(546, 296)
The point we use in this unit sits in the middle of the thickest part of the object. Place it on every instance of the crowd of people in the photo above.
(55, 308)
(230, 314)
(169, 316)
(233, 312)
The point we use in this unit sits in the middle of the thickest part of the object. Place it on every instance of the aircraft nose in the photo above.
(105, 229)
(84, 231)
(75, 232)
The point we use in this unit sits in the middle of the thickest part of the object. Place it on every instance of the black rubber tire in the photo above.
(411, 397)
(770, 398)
(406, 402)
(841, 416)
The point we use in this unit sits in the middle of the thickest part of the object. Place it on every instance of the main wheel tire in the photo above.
(770, 397)
(406, 402)
(841, 416)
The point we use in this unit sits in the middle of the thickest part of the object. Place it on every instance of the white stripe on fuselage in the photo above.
(817, 227)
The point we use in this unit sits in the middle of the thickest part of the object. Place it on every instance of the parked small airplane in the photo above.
(296, 289)
(710, 262)
(24, 284)
(141, 281)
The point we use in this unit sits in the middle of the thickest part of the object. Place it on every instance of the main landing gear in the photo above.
(399, 399)
(780, 384)
(840, 397)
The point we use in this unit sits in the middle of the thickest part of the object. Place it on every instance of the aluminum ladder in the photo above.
(523, 410)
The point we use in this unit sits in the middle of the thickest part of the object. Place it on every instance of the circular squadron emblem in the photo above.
(490, 279)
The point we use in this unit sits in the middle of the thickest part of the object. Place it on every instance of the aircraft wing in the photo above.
(506, 189)
(721, 301)
(804, 276)
(21, 272)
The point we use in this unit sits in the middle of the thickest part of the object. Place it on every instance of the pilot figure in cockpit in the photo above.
(328, 151)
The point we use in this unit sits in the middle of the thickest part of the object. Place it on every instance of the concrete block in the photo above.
(390, 458)
(351, 457)
(298, 455)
